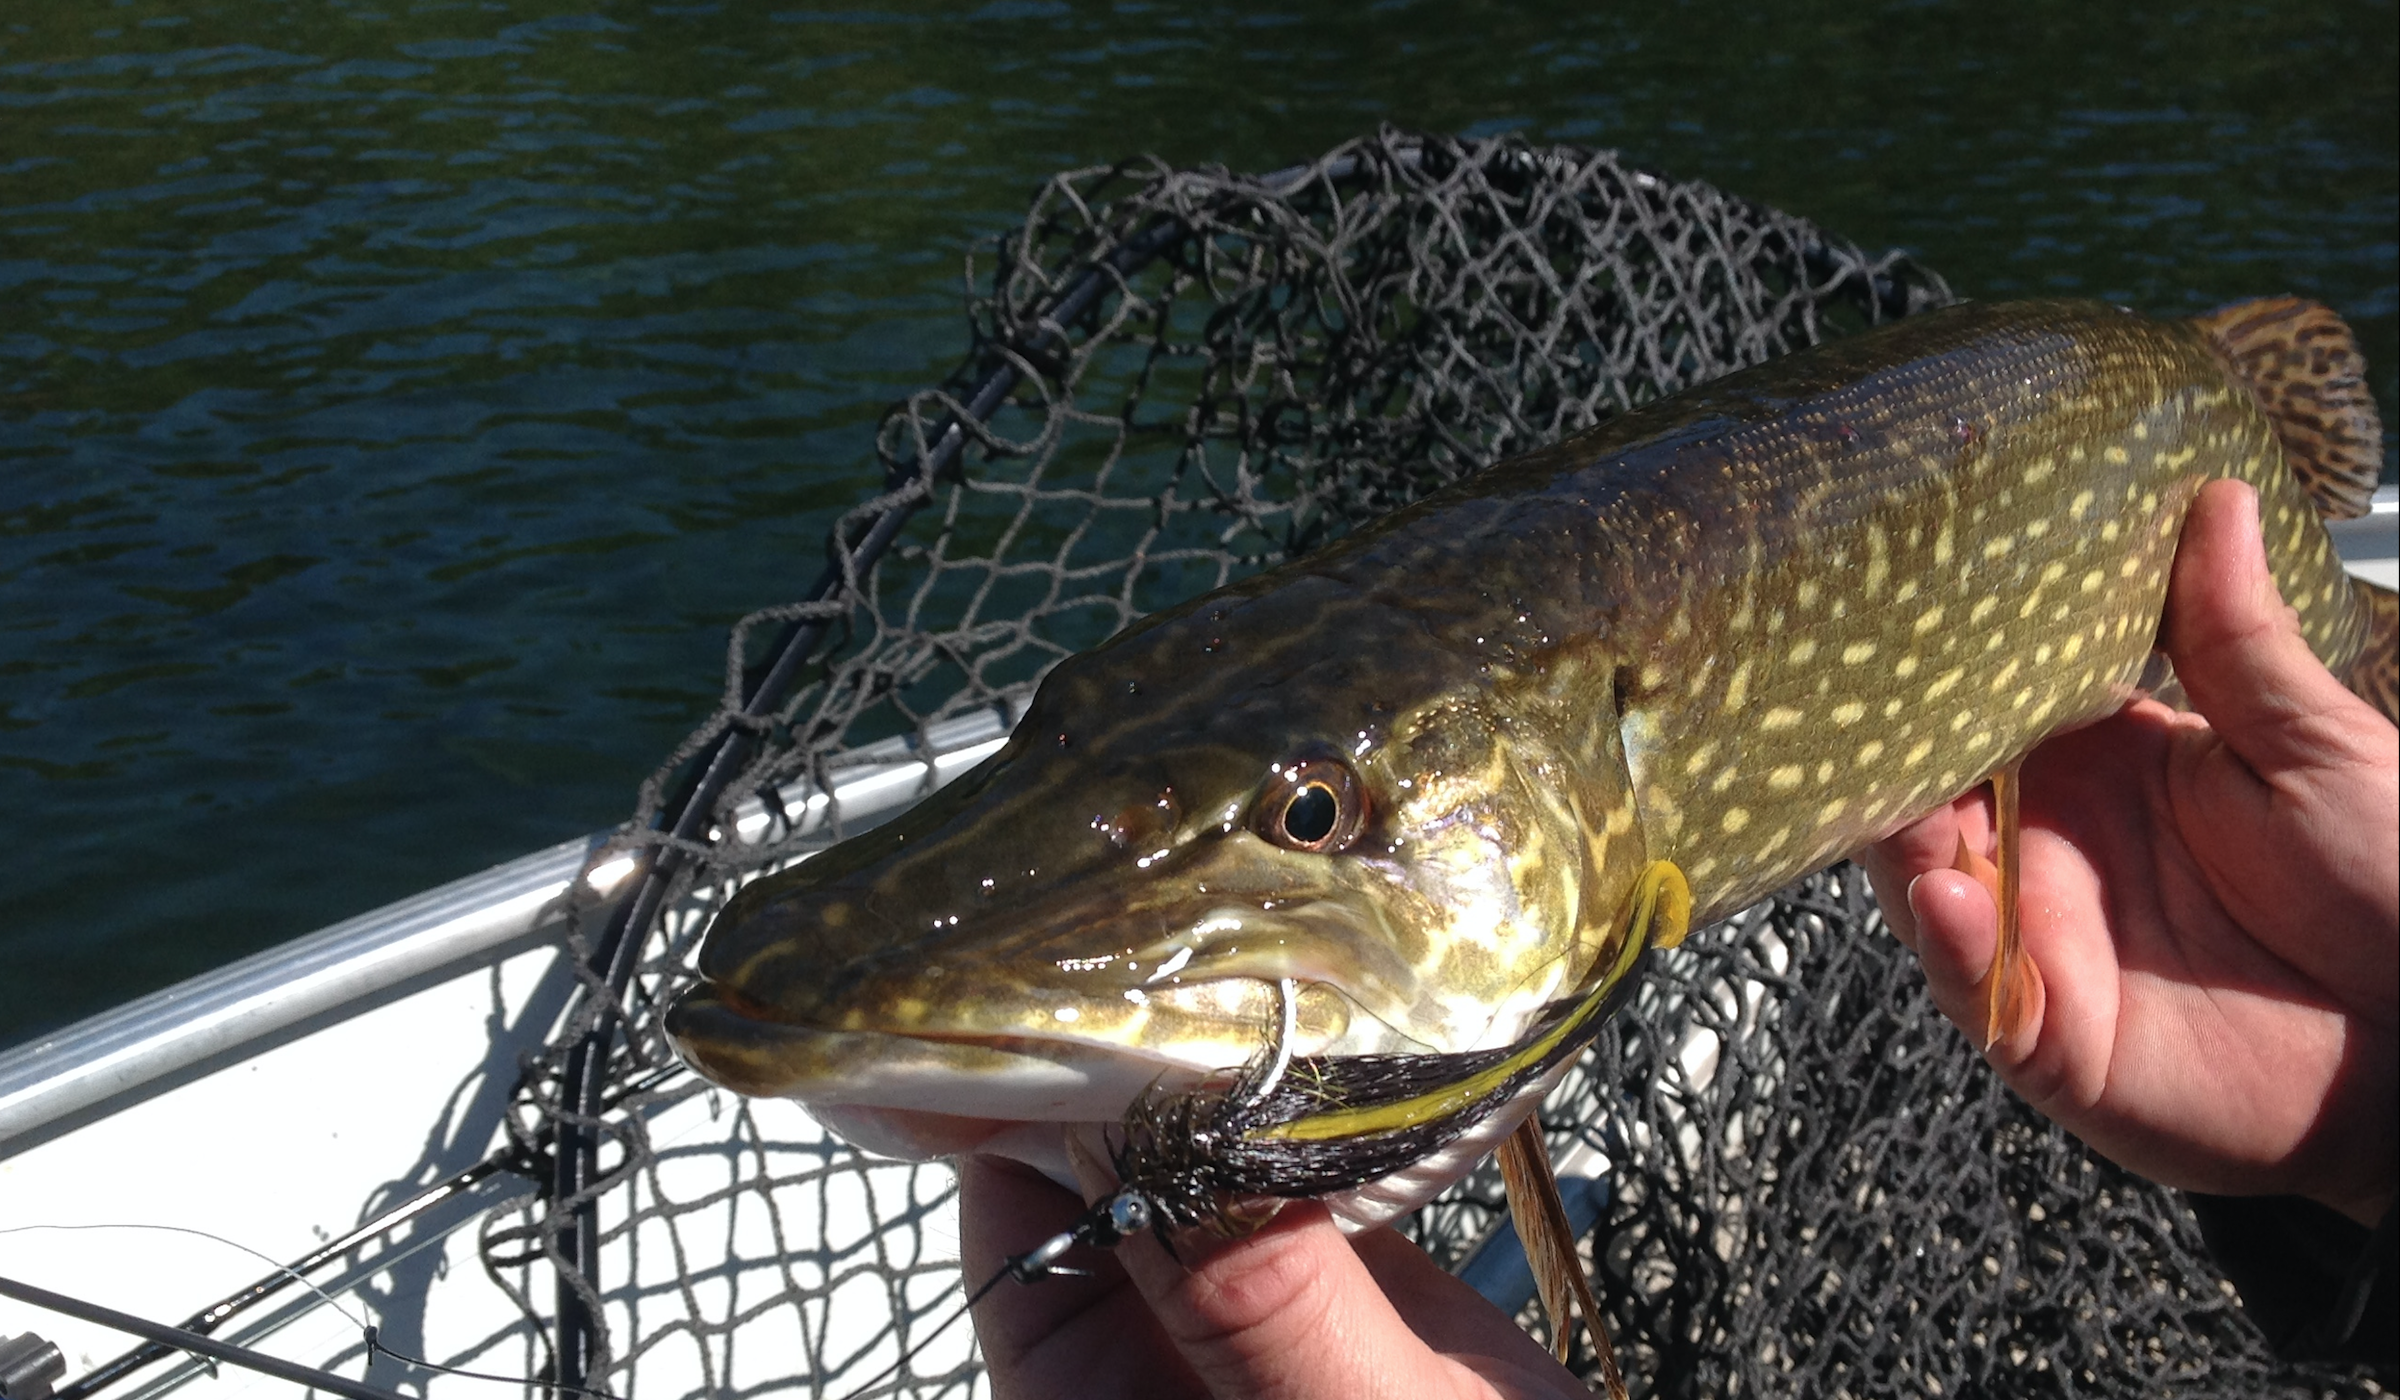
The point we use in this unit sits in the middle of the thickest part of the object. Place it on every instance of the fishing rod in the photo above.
(521, 1158)
(22, 1382)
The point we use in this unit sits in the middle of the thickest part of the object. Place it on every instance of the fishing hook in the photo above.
(1288, 999)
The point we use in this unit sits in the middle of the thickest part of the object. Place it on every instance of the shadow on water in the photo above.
(397, 403)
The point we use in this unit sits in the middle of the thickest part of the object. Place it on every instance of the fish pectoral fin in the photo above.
(2011, 986)
(1549, 1241)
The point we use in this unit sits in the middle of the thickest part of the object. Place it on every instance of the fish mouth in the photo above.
(914, 1095)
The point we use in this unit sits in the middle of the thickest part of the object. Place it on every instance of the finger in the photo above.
(1063, 1335)
(1958, 932)
(1455, 1320)
(1958, 929)
(1926, 844)
(2237, 649)
(1288, 1310)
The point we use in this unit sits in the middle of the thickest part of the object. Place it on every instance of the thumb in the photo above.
(1289, 1311)
(2237, 649)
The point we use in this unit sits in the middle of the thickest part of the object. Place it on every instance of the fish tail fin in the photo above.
(2375, 676)
(2303, 366)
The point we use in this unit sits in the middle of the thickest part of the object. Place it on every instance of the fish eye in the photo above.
(1308, 818)
(1315, 805)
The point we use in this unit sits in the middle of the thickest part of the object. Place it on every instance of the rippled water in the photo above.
(397, 402)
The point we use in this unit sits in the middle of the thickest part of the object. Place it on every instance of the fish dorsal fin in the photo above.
(2299, 360)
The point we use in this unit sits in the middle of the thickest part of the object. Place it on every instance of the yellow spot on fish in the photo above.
(1724, 779)
(1781, 717)
(1942, 545)
(1929, 619)
(1699, 759)
(1849, 712)
(1994, 548)
(2082, 503)
(2117, 456)
(1942, 683)
(1824, 771)
(1917, 754)
(2072, 648)
(1857, 652)
(1906, 668)
(1737, 690)
(1785, 778)
(1735, 819)
(2040, 471)
(1906, 591)
(2006, 674)
(1807, 593)
(1869, 751)
(1802, 650)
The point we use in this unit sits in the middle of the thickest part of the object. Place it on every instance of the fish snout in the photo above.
(794, 954)
(725, 1036)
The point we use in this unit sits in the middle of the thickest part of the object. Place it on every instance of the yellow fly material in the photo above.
(1659, 914)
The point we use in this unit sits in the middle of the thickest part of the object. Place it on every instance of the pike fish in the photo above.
(1310, 886)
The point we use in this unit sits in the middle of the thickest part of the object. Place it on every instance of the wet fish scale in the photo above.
(1882, 604)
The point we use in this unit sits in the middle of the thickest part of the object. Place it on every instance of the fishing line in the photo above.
(194, 1342)
(182, 1339)
(271, 1262)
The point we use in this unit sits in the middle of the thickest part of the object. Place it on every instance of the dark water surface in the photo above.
(397, 402)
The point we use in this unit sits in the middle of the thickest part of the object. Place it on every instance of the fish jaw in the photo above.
(906, 1096)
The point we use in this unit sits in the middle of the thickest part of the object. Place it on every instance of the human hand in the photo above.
(1294, 1311)
(2214, 904)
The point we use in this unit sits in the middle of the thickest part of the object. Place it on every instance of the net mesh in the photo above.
(1816, 1188)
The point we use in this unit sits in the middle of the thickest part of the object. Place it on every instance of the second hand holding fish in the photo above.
(2215, 905)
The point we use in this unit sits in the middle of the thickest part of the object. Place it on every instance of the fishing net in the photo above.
(1181, 376)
